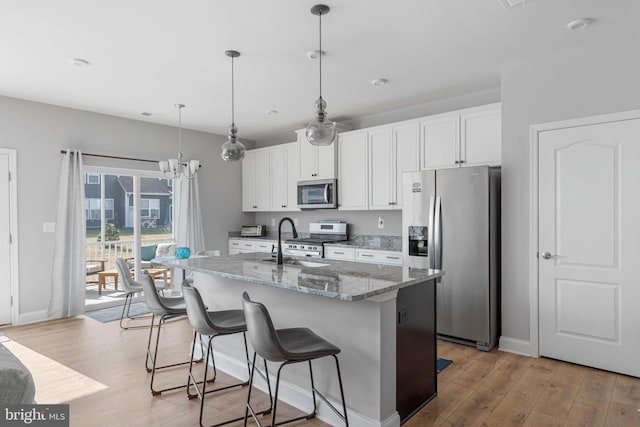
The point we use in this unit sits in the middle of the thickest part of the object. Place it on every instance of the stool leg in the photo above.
(146, 362)
(313, 390)
(248, 406)
(344, 405)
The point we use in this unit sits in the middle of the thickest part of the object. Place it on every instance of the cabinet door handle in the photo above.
(393, 257)
(457, 161)
(461, 161)
(339, 253)
(367, 255)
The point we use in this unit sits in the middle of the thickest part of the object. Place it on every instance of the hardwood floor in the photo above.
(478, 389)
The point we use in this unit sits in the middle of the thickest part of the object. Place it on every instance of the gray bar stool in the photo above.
(165, 309)
(131, 287)
(213, 324)
(292, 345)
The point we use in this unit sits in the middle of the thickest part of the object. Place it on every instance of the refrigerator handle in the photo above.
(437, 233)
(430, 242)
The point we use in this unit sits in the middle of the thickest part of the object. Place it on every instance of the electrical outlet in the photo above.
(48, 227)
(273, 222)
(296, 221)
(380, 222)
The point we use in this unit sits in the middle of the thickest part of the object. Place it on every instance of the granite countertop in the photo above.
(359, 241)
(343, 280)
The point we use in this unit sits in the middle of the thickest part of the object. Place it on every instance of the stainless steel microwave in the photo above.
(318, 194)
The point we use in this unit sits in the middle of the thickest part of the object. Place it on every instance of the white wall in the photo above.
(38, 132)
(590, 81)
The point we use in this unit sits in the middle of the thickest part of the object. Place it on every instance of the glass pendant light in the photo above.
(178, 167)
(321, 130)
(233, 149)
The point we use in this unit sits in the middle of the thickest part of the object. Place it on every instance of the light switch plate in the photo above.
(48, 227)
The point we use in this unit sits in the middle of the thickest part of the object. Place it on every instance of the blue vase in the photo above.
(183, 252)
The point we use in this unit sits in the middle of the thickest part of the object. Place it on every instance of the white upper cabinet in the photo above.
(269, 179)
(249, 181)
(461, 138)
(316, 162)
(352, 171)
(406, 156)
(284, 177)
(393, 150)
(481, 137)
(279, 173)
(381, 168)
(256, 181)
(440, 142)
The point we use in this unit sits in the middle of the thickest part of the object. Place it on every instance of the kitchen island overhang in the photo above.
(353, 305)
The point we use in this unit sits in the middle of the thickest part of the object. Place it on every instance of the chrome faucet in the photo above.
(295, 234)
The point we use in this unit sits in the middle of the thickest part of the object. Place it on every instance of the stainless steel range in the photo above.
(319, 233)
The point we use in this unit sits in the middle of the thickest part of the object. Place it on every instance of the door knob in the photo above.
(547, 255)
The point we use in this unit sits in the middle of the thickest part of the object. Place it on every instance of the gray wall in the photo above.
(38, 132)
(586, 82)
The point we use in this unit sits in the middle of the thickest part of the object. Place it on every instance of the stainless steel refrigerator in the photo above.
(451, 222)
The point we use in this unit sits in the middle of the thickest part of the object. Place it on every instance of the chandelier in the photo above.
(178, 167)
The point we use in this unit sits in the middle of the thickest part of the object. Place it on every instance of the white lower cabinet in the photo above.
(243, 246)
(373, 256)
(379, 257)
(340, 253)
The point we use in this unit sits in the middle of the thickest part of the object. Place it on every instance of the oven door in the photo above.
(319, 194)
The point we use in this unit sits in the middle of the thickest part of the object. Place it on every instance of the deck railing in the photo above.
(110, 250)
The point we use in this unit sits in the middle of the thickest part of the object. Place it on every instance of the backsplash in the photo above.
(360, 222)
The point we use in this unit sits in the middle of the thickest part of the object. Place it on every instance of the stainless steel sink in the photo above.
(299, 262)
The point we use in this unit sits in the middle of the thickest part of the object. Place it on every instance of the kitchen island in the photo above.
(382, 318)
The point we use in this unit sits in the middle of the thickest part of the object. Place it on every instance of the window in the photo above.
(149, 208)
(92, 209)
(92, 178)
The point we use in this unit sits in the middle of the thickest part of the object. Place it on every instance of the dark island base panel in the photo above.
(416, 377)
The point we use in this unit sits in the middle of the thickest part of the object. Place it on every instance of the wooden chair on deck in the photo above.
(93, 267)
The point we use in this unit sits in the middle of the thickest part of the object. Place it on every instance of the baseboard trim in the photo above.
(299, 397)
(32, 317)
(516, 346)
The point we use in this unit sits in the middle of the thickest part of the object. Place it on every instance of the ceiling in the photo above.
(147, 55)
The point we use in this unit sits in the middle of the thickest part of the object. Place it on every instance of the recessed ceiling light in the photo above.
(79, 62)
(315, 54)
(271, 112)
(146, 113)
(379, 82)
(579, 24)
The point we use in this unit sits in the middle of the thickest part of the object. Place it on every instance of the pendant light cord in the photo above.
(233, 107)
(320, 52)
(179, 131)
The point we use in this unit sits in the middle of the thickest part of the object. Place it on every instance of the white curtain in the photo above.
(68, 275)
(189, 228)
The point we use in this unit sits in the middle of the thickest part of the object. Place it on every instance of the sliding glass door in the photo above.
(129, 215)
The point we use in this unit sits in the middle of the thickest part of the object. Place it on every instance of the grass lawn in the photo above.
(127, 233)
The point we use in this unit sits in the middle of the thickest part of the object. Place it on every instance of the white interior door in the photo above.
(5, 246)
(589, 245)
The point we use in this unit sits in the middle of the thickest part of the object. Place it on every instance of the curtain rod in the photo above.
(113, 157)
